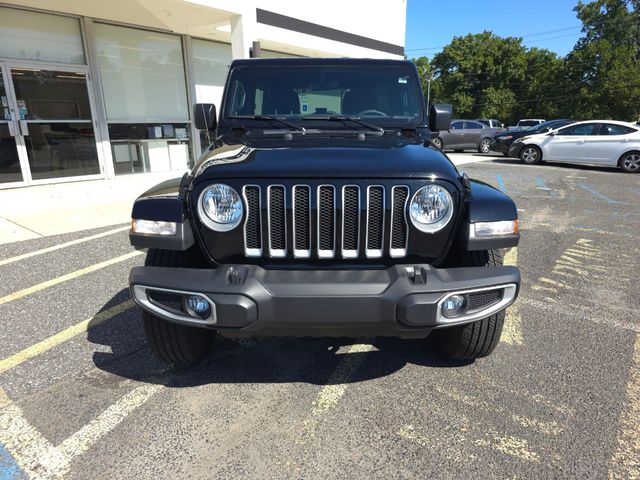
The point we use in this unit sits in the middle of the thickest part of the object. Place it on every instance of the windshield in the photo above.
(540, 126)
(382, 95)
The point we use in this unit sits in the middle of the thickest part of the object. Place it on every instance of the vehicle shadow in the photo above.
(259, 360)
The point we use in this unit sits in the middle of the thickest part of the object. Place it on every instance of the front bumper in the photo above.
(403, 300)
(514, 149)
(498, 146)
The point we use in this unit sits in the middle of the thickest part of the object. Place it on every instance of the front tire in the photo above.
(630, 162)
(531, 154)
(171, 342)
(480, 338)
(484, 145)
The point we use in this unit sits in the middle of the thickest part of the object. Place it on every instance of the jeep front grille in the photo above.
(325, 221)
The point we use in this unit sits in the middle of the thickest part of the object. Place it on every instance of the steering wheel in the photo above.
(372, 111)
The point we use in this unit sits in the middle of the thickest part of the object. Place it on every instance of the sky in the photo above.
(550, 24)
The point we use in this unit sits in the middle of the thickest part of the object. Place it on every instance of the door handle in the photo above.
(24, 128)
(12, 128)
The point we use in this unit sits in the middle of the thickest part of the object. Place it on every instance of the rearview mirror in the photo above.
(204, 116)
(440, 117)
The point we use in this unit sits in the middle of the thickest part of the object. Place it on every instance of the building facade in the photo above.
(96, 89)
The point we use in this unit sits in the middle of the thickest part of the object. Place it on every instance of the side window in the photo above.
(613, 129)
(475, 125)
(238, 99)
(457, 125)
(583, 129)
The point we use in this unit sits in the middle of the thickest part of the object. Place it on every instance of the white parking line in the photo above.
(68, 276)
(37, 457)
(7, 261)
(61, 337)
(625, 461)
(88, 435)
(512, 328)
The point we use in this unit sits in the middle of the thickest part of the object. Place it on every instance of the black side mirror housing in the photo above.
(440, 117)
(204, 116)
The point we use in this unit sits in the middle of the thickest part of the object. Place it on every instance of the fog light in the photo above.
(452, 306)
(197, 306)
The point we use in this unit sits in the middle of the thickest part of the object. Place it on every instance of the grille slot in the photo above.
(277, 222)
(252, 228)
(480, 300)
(301, 221)
(375, 221)
(398, 240)
(350, 221)
(326, 221)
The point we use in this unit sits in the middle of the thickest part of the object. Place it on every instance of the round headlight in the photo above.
(220, 207)
(431, 208)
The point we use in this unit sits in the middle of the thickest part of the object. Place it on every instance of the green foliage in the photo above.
(483, 75)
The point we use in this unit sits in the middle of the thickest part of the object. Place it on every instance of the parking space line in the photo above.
(596, 194)
(33, 453)
(69, 276)
(337, 383)
(6, 261)
(509, 445)
(335, 388)
(625, 461)
(83, 439)
(501, 184)
(9, 468)
(63, 336)
(39, 458)
(512, 328)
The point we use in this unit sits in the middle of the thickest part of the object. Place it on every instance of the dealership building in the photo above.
(95, 89)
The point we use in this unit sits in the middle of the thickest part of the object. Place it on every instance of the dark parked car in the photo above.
(502, 141)
(465, 135)
(321, 209)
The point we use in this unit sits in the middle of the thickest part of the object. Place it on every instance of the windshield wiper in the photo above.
(269, 118)
(345, 118)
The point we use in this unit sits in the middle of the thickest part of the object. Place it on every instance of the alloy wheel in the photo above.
(631, 163)
(530, 155)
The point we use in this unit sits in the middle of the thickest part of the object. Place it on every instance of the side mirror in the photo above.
(204, 116)
(440, 117)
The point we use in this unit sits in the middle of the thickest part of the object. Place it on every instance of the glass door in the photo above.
(10, 167)
(46, 125)
(55, 121)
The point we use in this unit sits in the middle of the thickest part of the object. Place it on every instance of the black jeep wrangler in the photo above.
(321, 209)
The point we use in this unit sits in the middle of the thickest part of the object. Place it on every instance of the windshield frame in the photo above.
(226, 120)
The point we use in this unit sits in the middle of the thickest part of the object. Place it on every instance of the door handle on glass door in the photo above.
(24, 128)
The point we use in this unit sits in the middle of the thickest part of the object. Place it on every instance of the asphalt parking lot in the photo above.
(81, 397)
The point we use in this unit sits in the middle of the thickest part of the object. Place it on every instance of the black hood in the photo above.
(374, 157)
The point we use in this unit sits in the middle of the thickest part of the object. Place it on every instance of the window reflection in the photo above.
(61, 150)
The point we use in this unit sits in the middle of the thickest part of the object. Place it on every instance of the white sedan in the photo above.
(605, 143)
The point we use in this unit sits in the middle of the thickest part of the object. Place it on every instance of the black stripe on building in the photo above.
(282, 21)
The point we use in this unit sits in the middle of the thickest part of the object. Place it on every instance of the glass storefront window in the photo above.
(26, 35)
(145, 94)
(149, 147)
(211, 62)
(142, 75)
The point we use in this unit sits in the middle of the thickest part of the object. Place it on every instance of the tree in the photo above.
(604, 66)
(484, 75)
